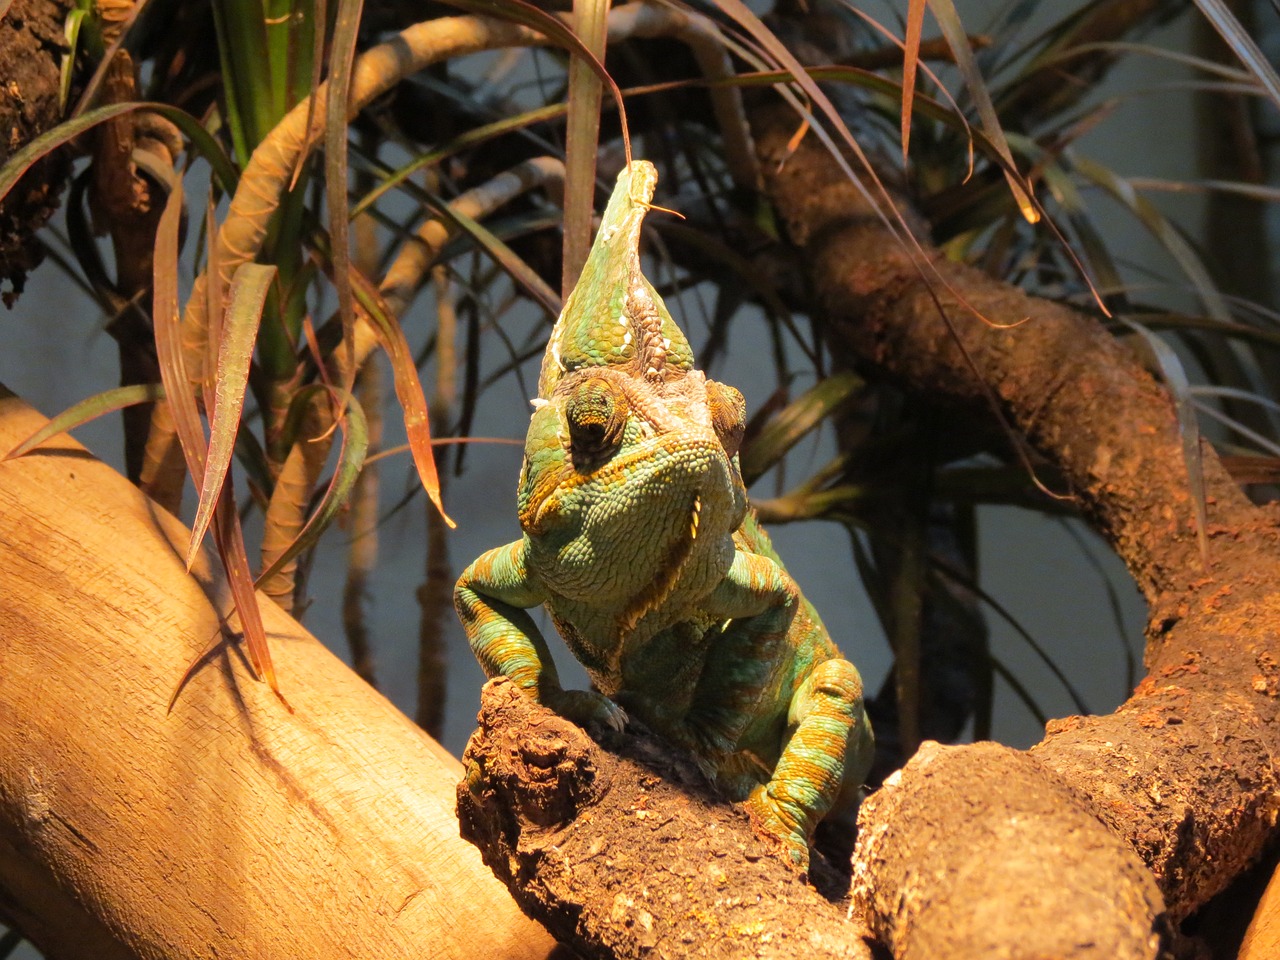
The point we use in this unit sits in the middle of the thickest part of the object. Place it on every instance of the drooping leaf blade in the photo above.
(245, 301)
(948, 18)
(50, 140)
(88, 409)
(910, 62)
(351, 458)
(408, 387)
(341, 57)
(1224, 21)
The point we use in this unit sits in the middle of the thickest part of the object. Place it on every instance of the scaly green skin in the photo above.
(638, 541)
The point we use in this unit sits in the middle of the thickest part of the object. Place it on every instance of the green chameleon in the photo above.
(639, 543)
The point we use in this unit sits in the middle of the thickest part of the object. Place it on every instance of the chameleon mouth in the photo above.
(656, 593)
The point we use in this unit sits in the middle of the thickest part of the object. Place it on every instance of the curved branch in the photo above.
(1185, 769)
(231, 826)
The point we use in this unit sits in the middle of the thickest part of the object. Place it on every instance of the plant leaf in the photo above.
(1224, 21)
(591, 20)
(88, 409)
(407, 386)
(229, 538)
(910, 61)
(245, 301)
(351, 458)
(341, 57)
(169, 355)
(944, 12)
(50, 140)
(795, 421)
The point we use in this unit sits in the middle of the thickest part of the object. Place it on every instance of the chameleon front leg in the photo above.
(491, 597)
(823, 762)
(772, 632)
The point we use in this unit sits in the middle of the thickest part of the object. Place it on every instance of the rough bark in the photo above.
(623, 851)
(231, 826)
(1181, 778)
(31, 39)
(1184, 770)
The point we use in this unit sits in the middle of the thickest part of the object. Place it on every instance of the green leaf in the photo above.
(50, 140)
(351, 457)
(245, 300)
(796, 421)
(341, 58)
(504, 256)
(88, 409)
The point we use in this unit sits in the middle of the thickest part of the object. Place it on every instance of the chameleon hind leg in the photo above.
(823, 763)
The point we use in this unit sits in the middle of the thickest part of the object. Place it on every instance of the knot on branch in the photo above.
(622, 850)
(526, 759)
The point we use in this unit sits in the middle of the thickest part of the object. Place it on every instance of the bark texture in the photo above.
(231, 827)
(1114, 827)
(623, 851)
(31, 39)
(1184, 770)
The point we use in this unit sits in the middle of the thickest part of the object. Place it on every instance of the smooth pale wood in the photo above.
(230, 827)
(1262, 939)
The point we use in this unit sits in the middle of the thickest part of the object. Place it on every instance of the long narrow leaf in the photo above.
(50, 140)
(518, 11)
(246, 299)
(341, 57)
(408, 387)
(173, 366)
(88, 409)
(505, 257)
(229, 538)
(910, 61)
(1224, 21)
(1159, 227)
(591, 18)
(351, 458)
(796, 421)
(944, 12)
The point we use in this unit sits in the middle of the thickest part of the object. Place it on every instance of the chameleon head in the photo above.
(630, 487)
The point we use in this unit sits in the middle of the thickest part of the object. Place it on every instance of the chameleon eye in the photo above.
(597, 416)
(728, 414)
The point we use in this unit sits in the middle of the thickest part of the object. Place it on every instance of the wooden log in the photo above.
(231, 826)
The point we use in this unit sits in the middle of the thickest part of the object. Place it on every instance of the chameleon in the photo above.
(639, 542)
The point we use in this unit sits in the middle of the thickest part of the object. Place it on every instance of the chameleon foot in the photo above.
(587, 708)
(772, 820)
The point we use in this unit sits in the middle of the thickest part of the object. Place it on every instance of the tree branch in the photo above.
(231, 826)
(623, 851)
(1184, 770)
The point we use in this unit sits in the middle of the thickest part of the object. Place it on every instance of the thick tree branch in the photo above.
(625, 852)
(1182, 774)
(1185, 770)
(231, 826)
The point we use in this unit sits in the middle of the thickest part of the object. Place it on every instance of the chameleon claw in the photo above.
(770, 820)
(588, 708)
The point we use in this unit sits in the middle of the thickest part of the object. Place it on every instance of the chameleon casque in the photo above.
(639, 542)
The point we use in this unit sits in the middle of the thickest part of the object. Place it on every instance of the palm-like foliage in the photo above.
(454, 182)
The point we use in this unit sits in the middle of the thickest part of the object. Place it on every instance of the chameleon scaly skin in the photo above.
(638, 541)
